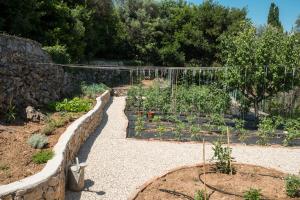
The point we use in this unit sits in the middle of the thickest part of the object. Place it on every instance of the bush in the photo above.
(292, 185)
(223, 158)
(201, 195)
(92, 90)
(42, 157)
(253, 194)
(292, 128)
(266, 129)
(37, 141)
(74, 105)
(58, 54)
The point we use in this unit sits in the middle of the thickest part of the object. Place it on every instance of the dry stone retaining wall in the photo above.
(29, 78)
(49, 184)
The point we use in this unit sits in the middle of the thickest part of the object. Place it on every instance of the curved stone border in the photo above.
(50, 182)
(141, 188)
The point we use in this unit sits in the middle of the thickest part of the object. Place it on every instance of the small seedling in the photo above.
(201, 195)
(292, 185)
(161, 129)
(11, 113)
(4, 167)
(252, 194)
(38, 141)
(42, 157)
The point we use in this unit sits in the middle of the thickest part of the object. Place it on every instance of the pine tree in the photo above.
(273, 17)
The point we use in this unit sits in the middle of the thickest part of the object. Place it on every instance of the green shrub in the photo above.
(292, 185)
(161, 129)
(201, 195)
(239, 126)
(92, 90)
(58, 54)
(253, 194)
(292, 128)
(38, 141)
(42, 156)
(73, 105)
(266, 129)
(222, 156)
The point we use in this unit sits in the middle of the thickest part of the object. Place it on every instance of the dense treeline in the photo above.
(164, 32)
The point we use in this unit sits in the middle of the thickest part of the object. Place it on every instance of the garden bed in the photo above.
(25, 146)
(16, 154)
(151, 130)
(183, 183)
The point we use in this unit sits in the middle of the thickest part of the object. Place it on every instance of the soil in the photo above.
(183, 183)
(16, 155)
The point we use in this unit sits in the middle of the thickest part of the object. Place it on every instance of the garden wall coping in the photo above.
(55, 165)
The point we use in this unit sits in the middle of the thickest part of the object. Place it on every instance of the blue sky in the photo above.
(258, 10)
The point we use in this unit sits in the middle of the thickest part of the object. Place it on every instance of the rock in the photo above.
(33, 115)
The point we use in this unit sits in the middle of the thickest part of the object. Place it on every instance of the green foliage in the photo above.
(52, 124)
(161, 129)
(73, 105)
(92, 90)
(273, 16)
(292, 128)
(42, 157)
(292, 186)
(239, 126)
(179, 128)
(10, 114)
(135, 97)
(266, 130)
(258, 64)
(139, 125)
(38, 141)
(222, 156)
(201, 195)
(58, 54)
(253, 194)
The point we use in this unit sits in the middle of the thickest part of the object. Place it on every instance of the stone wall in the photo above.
(49, 184)
(29, 78)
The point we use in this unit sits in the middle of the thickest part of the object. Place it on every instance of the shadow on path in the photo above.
(83, 153)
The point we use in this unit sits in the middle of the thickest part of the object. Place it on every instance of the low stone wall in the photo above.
(49, 184)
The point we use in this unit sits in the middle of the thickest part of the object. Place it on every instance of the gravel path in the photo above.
(117, 166)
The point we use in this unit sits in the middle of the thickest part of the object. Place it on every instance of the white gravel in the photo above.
(117, 166)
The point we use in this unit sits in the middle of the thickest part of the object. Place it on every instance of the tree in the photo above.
(273, 16)
(297, 28)
(260, 66)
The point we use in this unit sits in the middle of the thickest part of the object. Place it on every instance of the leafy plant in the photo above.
(292, 130)
(156, 119)
(179, 128)
(42, 156)
(292, 185)
(92, 90)
(139, 125)
(222, 156)
(37, 141)
(253, 194)
(161, 129)
(73, 105)
(194, 130)
(201, 195)
(266, 129)
(11, 112)
(239, 125)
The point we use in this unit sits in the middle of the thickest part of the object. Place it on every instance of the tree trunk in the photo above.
(256, 109)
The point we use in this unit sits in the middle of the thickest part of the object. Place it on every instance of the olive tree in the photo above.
(260, 65)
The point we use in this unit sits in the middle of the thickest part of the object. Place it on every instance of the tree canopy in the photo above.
(166, 32)
(260, 65)
(273, 16)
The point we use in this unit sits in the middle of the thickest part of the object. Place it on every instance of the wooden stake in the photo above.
(228, 143)
(204, 170)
